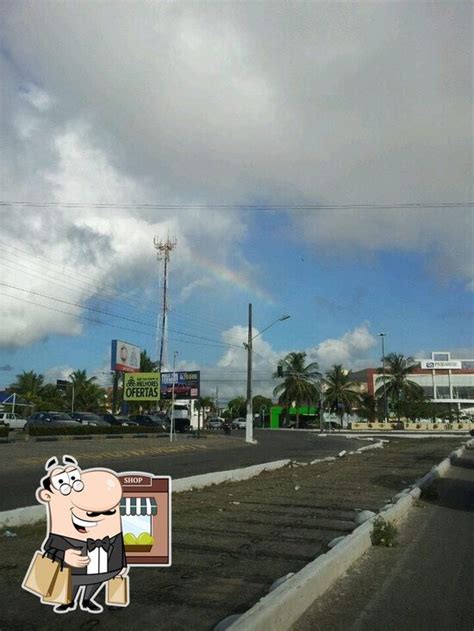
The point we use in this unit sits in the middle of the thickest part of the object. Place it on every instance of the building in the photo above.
(444, 380)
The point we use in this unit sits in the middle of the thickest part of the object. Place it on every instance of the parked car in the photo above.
(182, 425)
(13, 420)
(239, 423)
(88, 418)
(152, 420)
(215, 423)
(50, 419)
(118, 420)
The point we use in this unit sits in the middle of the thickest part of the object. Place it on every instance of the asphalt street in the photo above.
(425, 582)
(22, 464)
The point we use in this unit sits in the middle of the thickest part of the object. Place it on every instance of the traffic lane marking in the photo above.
(151, 451)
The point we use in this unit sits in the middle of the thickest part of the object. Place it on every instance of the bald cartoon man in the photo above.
(84, 525)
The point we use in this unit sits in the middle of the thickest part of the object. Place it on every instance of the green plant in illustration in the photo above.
(384, 533)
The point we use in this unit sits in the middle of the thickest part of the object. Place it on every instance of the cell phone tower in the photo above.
(163, 250)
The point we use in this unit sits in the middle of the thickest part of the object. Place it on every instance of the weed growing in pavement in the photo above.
(384, 533)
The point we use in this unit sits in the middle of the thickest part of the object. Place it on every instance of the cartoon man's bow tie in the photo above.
(98, 543)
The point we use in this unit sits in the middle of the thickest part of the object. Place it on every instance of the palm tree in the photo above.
(88, 396)
(300, 383)
(340, 392)
(146, 363)
(368, 406)
(397, 384)
(28, 384)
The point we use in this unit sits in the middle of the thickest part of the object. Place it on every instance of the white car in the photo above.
(239, 423)
(12, 419)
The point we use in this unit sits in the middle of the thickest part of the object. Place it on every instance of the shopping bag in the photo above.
(60, 591)
(117, 592)
(40, 575)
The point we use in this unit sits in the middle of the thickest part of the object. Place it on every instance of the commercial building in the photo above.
(444, 380)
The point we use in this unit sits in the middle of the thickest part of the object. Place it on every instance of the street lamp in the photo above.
(382, 335)
(172, 397)
(248, 346)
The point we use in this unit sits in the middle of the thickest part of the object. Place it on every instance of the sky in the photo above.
(312, 159)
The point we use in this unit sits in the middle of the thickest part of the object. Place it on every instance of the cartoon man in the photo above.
(84, 525)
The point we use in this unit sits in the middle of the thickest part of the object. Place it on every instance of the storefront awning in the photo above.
(138, 506)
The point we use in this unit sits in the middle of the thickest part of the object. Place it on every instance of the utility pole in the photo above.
(163, 254)
(217, 400)
(249, 417)
(382, 335)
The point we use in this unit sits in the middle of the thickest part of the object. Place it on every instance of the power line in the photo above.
(289, 206)
(215, 344)
(209, 323)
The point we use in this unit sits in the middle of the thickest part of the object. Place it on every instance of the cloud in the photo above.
(58, 372)
(6, 368)
(352, 350)
(225, 103)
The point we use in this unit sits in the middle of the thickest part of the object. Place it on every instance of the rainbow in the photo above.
(238, 279)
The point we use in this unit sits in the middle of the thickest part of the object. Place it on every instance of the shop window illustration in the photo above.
(145, 511)
(137, 523)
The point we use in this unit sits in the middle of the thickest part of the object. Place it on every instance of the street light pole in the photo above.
(172, 397)
(248, 345)
(382, 335)
(249, 416)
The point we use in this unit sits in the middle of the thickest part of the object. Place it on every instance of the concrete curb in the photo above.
(282, 607)
(233, 475)
(28, 515)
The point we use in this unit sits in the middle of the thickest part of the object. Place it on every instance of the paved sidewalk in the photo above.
(425, 583)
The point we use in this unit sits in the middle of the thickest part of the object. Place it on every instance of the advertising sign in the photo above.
(429, 364)
(141, 386)
(186, 384)
(125, 357)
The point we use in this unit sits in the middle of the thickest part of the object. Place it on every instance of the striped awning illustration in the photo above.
(138, 506)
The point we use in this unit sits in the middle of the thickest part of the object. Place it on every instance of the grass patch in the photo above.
(384, 533)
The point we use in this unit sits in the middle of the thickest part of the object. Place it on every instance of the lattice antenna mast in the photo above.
(163, 250)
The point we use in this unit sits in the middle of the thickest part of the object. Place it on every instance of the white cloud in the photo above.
(58, 372)
(352, 350)
(227, 103)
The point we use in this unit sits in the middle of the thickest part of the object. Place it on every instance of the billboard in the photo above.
(452, 364)
(186, 384)
(125, 357)
(141, 386)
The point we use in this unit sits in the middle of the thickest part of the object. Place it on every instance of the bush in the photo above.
(84, 430)
(384, 533)
(4, 429)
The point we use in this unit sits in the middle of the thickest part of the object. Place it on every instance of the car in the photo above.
(239, 423)
(152, 420)
(88, 418)
(118, 420)
(13, 420)
(50, 419)
(215, 423)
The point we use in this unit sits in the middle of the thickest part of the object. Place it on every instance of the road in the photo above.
(425, 582)
(231, 541)
(22, 464)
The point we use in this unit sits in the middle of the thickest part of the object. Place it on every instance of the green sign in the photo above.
(141, 386)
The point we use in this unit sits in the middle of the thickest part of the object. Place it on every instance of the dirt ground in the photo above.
(232, 541)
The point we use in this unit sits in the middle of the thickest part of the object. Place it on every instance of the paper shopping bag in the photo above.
(117, 592)
(41, 575)
(60, 592)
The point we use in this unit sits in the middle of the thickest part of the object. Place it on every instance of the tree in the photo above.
(147, 364)
(88, 396)
(341, 394)
(204, 404)
(397, 384)
(300, 381)
(237, 407)
(28, 384)
(368, 407)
